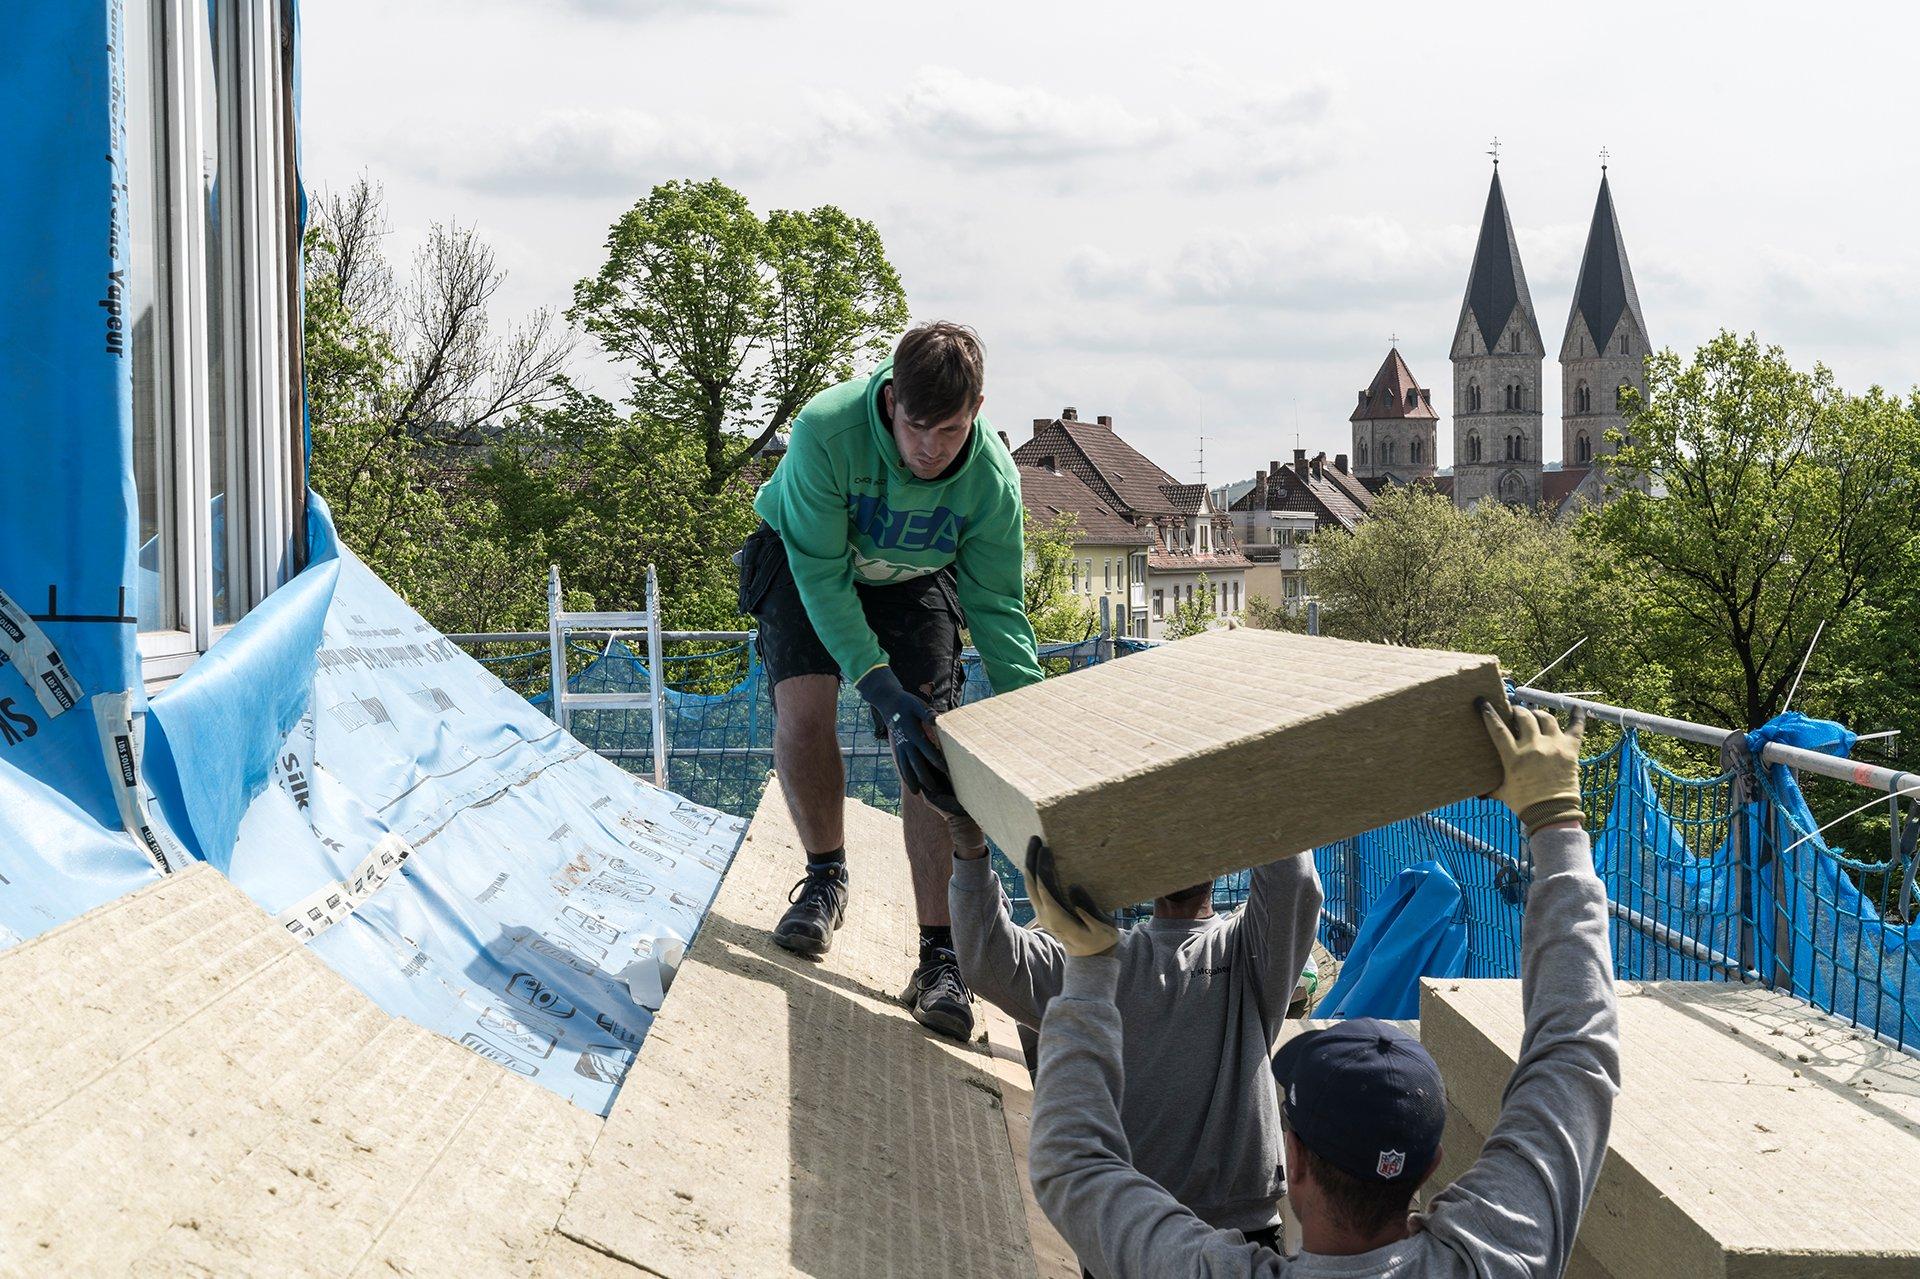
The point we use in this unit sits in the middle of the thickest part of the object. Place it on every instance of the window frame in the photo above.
(265, 485)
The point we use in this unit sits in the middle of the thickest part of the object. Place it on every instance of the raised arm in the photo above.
(1113, 1216)
(1518, 1208)
(1274, 931)
(1018, 970)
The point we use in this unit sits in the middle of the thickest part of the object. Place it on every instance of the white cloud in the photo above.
(652, 10)
(941, 116)
(972, 119)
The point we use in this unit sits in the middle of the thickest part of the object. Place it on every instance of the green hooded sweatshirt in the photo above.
(849, 511)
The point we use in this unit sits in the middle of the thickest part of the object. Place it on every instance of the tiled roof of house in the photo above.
(1119, 474)
(1050, 494)
(1184, 498)
(1333, 497)
(1213, 561)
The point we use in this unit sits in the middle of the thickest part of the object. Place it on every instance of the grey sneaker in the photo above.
(939, 996)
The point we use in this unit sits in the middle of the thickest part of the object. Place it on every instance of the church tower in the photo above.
(1394, 426)
(1498, 362)
(1605, 347)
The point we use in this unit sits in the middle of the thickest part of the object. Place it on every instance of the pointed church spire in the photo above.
(1605, 290)
(1497, 283)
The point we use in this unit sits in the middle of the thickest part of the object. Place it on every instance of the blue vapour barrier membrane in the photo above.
(68, 653)
(444, 846)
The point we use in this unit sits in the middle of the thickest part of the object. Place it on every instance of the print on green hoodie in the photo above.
(849, 510)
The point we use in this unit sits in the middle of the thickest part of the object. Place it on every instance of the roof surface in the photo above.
(1605, 290)
(1333, 497)
(1497, 282)
(1393, 394)
(1557, 486)
(1050, 494)
(1119, 474)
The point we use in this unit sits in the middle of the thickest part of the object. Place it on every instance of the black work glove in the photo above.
(922, 768)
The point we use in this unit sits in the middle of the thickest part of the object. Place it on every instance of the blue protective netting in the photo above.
(1688, 903)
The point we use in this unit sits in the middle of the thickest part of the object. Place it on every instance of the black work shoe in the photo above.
(819, 907)
(939, 996)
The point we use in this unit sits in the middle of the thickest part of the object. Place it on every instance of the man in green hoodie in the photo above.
(893, 521)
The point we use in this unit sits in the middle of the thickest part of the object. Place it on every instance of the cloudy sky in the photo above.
(1203, 219)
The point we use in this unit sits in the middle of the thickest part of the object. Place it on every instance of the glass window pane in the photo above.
(219, 134)
(153, 451)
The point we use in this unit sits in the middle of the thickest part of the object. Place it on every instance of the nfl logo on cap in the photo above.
(1392, 1163)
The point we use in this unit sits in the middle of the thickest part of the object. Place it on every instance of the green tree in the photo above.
(613, 492)
(1058, 613)
(399, 374)
(1755, 501)
(731, 322)
(1491, 579)
(1414, 574)
(1193, 615)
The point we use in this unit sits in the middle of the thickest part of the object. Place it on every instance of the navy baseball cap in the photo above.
(1364, 1096)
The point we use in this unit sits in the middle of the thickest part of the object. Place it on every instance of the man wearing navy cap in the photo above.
(1363, 1103)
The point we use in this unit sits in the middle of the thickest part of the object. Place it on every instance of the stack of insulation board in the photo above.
(186, 1089)
(1753, 1135)
(1220, 752)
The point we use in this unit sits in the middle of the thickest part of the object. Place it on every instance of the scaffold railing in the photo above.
(1723, 876)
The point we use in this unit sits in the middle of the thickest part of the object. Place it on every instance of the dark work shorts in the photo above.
(917, 622)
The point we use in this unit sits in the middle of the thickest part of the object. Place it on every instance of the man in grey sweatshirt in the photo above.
(1362, 1104)
(1201, 998)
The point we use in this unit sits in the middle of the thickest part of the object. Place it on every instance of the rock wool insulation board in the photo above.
(1219, 752)
(1753, 1136)
(188, 1090)
(790, 1117)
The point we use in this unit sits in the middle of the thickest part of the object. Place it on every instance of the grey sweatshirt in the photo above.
(1200, 1001)
(1514, 1213)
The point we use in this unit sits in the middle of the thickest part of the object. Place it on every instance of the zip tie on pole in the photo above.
(1556, 661)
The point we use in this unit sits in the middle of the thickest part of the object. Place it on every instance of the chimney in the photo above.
(1340, 463)
(1273, 468)
(1363, 398)
(1069, 415)
(1300, 461)
(1005, 443)
(1259, 479)
(1041, 423)
(1319, 461)
(1105, 420)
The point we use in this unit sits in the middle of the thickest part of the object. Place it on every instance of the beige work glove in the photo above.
(1541, 762)
(1082, 928)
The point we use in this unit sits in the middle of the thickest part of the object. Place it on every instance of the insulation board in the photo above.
(1753, 1135)
(1219, 752)
(788, 1116)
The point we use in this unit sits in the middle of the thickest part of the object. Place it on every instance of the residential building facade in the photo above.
(1189, 536)
(1109, 565)
(1274, 518)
